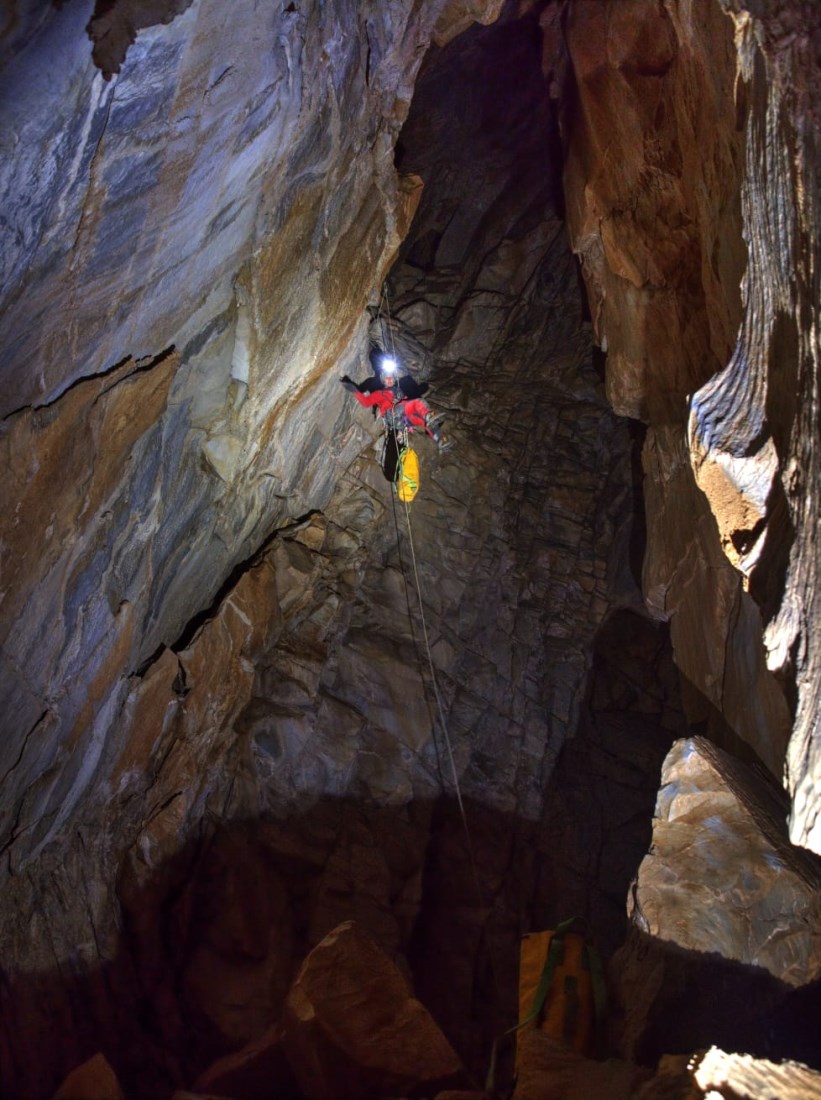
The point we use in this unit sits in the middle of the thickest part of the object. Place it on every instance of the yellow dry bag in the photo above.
(407, 475)
(561, 986)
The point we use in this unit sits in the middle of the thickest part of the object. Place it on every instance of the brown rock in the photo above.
(257, 1072)
(457, 15)
(549, 1071)
(351, 1027)
(718, 1074)
(239, 926)
(93, 1080)
(721, 876)
(186, 1094)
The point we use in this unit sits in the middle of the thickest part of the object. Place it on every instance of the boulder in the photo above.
(721, 876)
(257, 1072)
(747, 1078)
(549, 1071)
(716, 1074)
(93, 1080)
(352, 1027)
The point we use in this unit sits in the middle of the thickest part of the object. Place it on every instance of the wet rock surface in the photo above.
(678, 132)
(223, 734)
(721, 875)
(351, 1027)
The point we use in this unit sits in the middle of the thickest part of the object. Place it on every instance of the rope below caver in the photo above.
(435, 685)
(426, 639)
(437, 695)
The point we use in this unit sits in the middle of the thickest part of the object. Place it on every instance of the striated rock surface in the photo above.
(352, 1029)
(716, 1074)
(721, 876)
(269, 765)
(220, 733)
(725, 920)
(754, 427)
(691, 184)
(748, 1078)
(232, 178)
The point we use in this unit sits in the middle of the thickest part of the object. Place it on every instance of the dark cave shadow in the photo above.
(597, 823)
(234, 913)
(708, 1000)
(237, 910)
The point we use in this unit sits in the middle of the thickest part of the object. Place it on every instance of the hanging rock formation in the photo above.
(692, 187)
(720, 876)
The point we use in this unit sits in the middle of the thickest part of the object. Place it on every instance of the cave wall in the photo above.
(188, 246)
(289, 684)
(201, 571)
(692, 189)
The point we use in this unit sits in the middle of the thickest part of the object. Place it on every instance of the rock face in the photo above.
(93, 1080)
(548, 1071)
(721, 875)
(352, 1029)
(725, 919)
(256, 1072)
(718, 1074)
(221, 731)
(679, 182)
(596, 825)
(301, 693)
(182, 171)
(754, 427)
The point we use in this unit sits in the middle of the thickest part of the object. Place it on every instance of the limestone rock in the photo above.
(352, 1028)
(696, 224)
(548, 1071)
(715, 626)
(721, 876)
(185, 656)
(715, 1074)
(751, 424)
(257, 1072)
(739, 1075)
(93, 1080)
(457, 15)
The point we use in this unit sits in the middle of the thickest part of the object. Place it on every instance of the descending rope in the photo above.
(384, 297)
(457, 788)
(442, 722)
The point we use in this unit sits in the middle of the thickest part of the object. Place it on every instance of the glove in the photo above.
(349, 384)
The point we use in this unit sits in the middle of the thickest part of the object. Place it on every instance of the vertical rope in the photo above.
(457, 788)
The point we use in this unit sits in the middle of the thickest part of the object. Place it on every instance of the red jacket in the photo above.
(382, 399)
(414, 411)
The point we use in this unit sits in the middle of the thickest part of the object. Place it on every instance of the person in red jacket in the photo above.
(397, 400)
